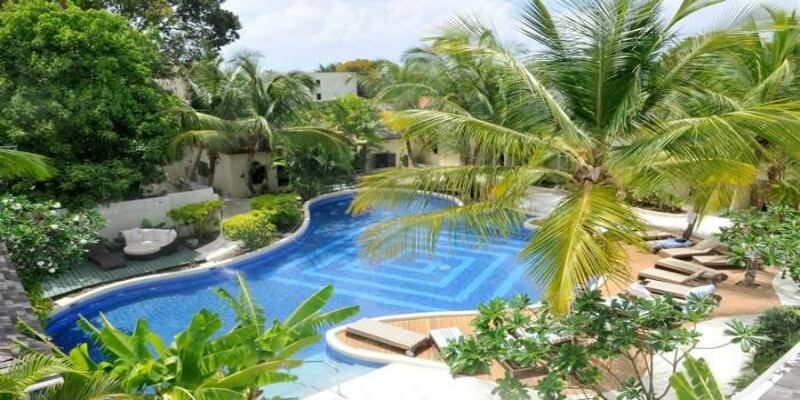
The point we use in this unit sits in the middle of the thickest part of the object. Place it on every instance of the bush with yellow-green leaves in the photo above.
(254, 229)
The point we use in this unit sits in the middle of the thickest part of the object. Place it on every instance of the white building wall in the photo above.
(331, 85)
(129, 214)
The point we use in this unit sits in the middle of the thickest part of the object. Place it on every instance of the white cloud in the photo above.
(301, 34)
(304, 33)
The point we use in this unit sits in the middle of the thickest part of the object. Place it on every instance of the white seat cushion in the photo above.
(702, 291)
(140, 249)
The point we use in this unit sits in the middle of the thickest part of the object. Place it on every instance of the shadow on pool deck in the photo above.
(88, 275)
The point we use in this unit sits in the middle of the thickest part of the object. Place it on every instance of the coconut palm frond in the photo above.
(581, 240)
(420, 233)
(20, 164)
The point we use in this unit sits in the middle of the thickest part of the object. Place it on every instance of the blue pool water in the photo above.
(459, 276)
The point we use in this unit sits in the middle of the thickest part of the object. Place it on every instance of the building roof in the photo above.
(14, 306)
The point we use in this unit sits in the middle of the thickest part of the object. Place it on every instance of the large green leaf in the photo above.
(700, 383)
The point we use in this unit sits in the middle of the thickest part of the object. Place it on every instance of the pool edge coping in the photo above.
(65, 303)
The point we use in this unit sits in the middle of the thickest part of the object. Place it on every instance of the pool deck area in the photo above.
(87, 275)
(738, 302)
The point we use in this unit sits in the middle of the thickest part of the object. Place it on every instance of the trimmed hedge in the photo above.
(202, 217)
(254, 229)
(285, 207)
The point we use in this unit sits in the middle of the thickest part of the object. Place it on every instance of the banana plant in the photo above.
(202, 362)
(697, 383)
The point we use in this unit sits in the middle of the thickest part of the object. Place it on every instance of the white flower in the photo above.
(56, 205)
(40, 263)
(16, 206)
(54, 226)
(76, 218)
(52, 270)
(83, 241)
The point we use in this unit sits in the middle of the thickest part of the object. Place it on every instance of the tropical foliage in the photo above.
(357, 119)
(104, 128)
(771, 236)
(253, 229)
(43, 239)
(782, 326)
(697, 382)
(19, 164)
(186, 30)
(314, 170)
(239, 108)
(202, 219)
(286, 212)
(614, 101)
(590, 348)
(203, 361)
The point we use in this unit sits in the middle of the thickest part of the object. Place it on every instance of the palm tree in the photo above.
(616, 101)
(252, 109)
(75, 383)
(20, 164)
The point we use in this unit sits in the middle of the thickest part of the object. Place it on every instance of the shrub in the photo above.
(285, 208)
(773, 235)
(782, 326)
(254, 229)
(41, 238)
(202, 218)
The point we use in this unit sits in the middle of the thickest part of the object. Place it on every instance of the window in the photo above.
(318, 82)
(319, 96)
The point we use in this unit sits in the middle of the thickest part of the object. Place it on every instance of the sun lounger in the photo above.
(390, 335)
(670, 276)
(442, 337)
(703, 247)
(718, 261)
(679, 291)
(690, 268)
(655, 235)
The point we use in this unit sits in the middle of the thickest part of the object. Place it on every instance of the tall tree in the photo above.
(78, 87)
(187, 29)
(620, 102)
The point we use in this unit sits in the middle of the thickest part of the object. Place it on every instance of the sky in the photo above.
(302, 34)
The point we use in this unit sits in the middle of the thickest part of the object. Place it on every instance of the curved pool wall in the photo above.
(325, 250)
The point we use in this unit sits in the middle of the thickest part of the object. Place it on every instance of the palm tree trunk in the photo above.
(409, 153)
(193, 172)
(213, 159)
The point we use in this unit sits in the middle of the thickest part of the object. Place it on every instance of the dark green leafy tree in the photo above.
(77, 86)
(357, 119)
(186, 30)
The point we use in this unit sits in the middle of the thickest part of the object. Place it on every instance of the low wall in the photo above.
(129, 214)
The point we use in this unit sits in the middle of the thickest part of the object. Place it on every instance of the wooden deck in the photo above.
(88, 275)
(425, 324)
(736, 300)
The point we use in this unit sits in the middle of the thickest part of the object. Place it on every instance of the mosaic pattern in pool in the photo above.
(459, 276)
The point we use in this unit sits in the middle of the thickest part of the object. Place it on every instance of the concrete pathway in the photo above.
(221, 248)
(407, 382)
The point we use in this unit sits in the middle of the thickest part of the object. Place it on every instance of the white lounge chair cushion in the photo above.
(392, 335)
(639, 290)
(142, 242)
(702, 291)
(443, 337)
(140, 249)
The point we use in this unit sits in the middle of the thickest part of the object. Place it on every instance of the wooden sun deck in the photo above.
(736, 300)
(424, 325)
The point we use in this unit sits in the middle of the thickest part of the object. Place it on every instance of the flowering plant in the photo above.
(42, 238)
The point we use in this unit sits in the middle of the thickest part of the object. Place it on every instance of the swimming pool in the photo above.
(458, 277)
